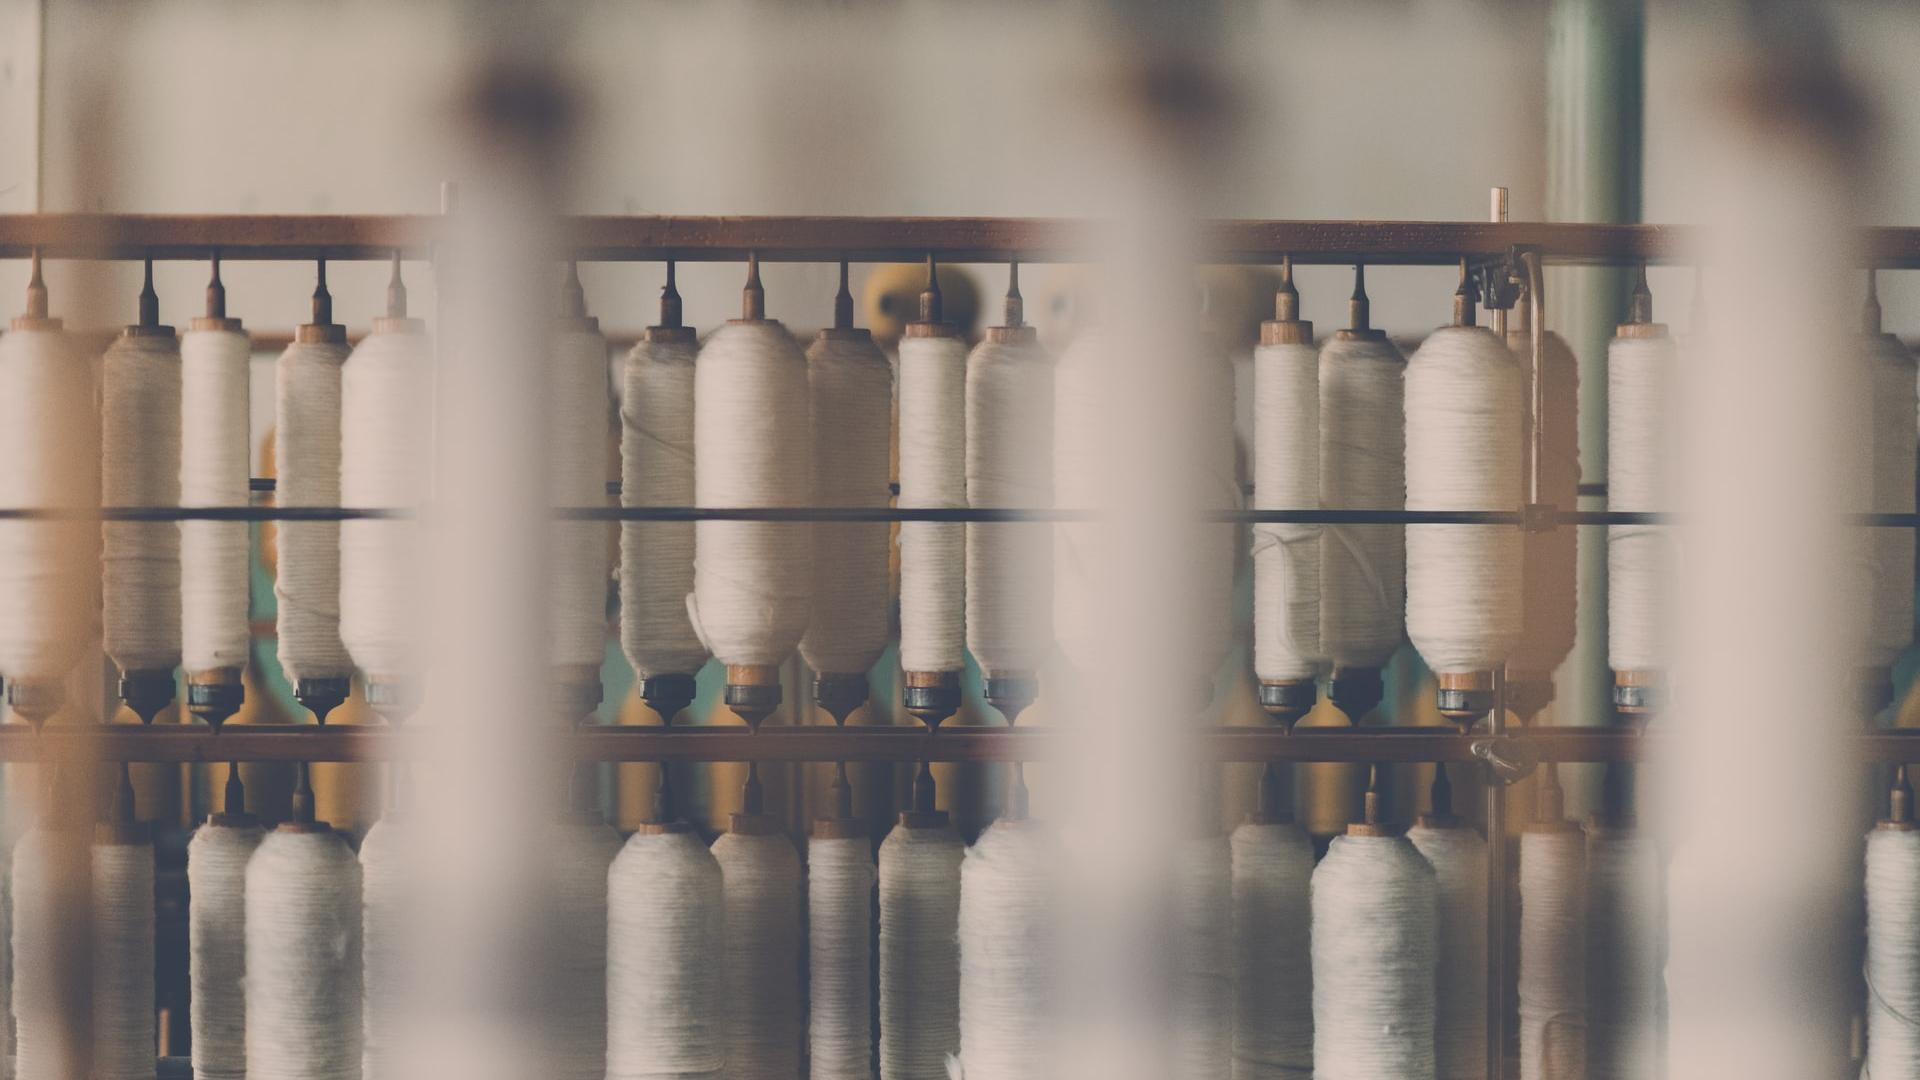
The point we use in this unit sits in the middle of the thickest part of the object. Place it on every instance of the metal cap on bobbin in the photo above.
(146, 692)
(667, 695)
(215, 695)
(1287, 700)
(932, 696)
(1360, 311)
(669, 329)
(36, 317)
(322, 696)
(840, 694)
(573, 303)
(322, 330)
(843, 328)
(1370, 823)
(1286, 327)
(1640, 322)
(121, 826)
(753, 691)
(1899, 802)
(1014, 329)
(932, 321)
(149, 324)
(233, 805)
(396, 320)
(1638, 694)
(1012, 692)
(1440, 813)
(1465, 297)
(216, 316)
(1356, 691)
(1464, 697)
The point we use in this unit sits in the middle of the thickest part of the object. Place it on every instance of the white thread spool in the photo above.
(656, 469)
(1009, 414)
(140, 466)
(753, 447)
(49, 433)
(123, 925)
(1464, 412)
(306, 585)
(386, 395)
(1203, 948)
(582, 852)
(1272, 948)
(1642, 364)
(577, 474)
(1374, 953)
(1553, 931)
(48, 934)
(303, 926)
(760, 957)
(1007, 953)
(920, 898)
(383, 937)
(1363, 568)
(840, 880)
(215, 455)
(1549, 561)
(1896, 440)
(217, 943)
(851, 384)
(1893, 941)
(1459, 860)
(1623, 954)
(664, 942)
(1286, 476)
(933, 474)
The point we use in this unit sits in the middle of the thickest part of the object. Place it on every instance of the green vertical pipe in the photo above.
(1595, 103)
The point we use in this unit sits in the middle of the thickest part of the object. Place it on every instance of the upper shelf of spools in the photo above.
(864, 239)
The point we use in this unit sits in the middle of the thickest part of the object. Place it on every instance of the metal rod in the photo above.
(242, 237)
(1536, 431)
(1497, 855)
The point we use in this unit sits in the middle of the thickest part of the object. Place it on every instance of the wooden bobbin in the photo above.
(322, 330)
(932, 321)
(149, 324)
(573, 304)
(1370, 823)
(396, 321)
(1286, 327)
(36, 317)
(1014, 330)
(1899, 803)
(216, 315)
(1359, 312)
(843, 825)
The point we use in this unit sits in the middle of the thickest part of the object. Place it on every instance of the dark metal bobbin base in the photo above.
(1356, 691)
(1637, 694)
(322, 696)
(392, 699)
(840, 694)
(1288, 700)
(146, 692)
(214, 696)
(35, 699)
(668, 695)
(753, 691)
(1465, 698)
(1013, 693)
(932, 696)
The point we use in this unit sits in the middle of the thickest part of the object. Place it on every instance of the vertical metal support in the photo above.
(1536, 424)
(1498, 854)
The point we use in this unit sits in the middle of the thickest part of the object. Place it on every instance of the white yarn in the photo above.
(47, 934)
(1549, 563)
(1463, 414)
(306, 586)
(140, 466)
(1008, 954)
(214, 459)
(1896, 441)
(1203, 949)
(753, 447)
(303, 958)
(1286, 476)
(933, 473)
(920, 902)
(1272, 961)
(123, 923)
(581, 853)
(1893, 954)
(1459, 860)
(217, 946)
(664, 942)
(840, 880)
(49, 437)
(386, 440)
(1009, 464)
(1640, 559)
(1623, 954)
(1553, 976)
(577, 475)
(852, 392)
(1374, 952)
(656, 469)
(1363, 568)
(384, 957)
(760, 959)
